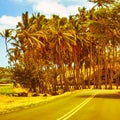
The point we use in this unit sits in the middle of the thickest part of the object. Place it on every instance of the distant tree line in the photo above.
(5, 75)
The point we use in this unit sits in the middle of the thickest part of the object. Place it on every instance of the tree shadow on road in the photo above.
(106, 96)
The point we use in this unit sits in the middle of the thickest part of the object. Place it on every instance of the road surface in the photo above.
(81, 105)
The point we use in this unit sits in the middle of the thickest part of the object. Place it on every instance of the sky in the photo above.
(11, 11)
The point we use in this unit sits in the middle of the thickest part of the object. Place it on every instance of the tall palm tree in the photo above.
(60, 38)
(31, 40)
(80, 50)
(7, 34)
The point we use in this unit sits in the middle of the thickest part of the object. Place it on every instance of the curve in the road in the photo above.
(77, 108)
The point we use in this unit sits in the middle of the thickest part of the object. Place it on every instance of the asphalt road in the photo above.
(81, 105)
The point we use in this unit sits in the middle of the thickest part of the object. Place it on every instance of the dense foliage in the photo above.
(60, 53)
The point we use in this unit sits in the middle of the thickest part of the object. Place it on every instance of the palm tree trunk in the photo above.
(111, 75)
(76, 67)
(105, 68)
(99, 69)
(110, 70)
(93, 77)
(66, 86)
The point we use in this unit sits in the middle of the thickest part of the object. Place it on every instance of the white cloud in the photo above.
(49, 7)
(72, 10)
(59, 7)
(83, 3)
(8, 22)
(46, 7)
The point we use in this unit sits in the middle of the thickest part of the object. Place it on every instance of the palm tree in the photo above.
(80, 50)
(103, 26)
(60, 38)
(30, 41)
(101, 3)
(7, 34)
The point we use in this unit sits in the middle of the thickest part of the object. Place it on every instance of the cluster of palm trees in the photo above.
(64, 53)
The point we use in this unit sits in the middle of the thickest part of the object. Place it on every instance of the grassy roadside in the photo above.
(11, 103)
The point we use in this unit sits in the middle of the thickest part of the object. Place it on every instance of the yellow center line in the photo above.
(77, 108)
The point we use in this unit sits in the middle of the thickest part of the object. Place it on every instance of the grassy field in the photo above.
(6, 88)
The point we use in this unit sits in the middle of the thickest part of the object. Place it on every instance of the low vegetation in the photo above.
(10, 103)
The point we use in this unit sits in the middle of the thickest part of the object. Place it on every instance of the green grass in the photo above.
(6, 89)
